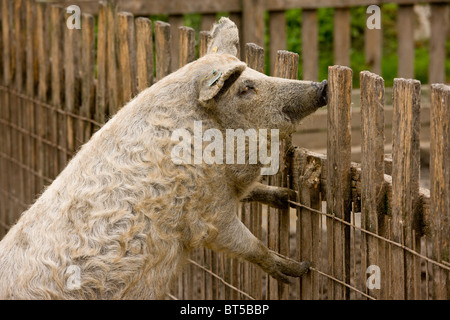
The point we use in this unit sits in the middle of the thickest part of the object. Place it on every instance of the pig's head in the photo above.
(240, 97)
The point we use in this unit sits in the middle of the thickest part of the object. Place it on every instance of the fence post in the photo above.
(30, 91)
(372, 171)
(254, 57)
(175, 21)
(405, 183)
(277, 36)
(310, 45)
(57, 81)
(144, 52)
(186, 45)
(440, 186)
(373, 48)
(127, 56)
(439, 23)
(87, 75)
(253, 21)
(339, 177)
(112, 88)
(286, 66)
(342, 37)
(205, 38)
(101, 96)
(306, 179)
(43, 87)
(405, 29)
(162, 49)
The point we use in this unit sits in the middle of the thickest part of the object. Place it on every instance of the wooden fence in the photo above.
(60, 85)
(249, 15)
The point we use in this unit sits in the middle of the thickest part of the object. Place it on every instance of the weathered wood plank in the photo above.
(175, 21)
(372, 170)
(17, 107)
(405, 49)
(208, 21)
(373, 47)
(112, 84)
(71, 85)
(339, 176)
(57, 81)
(205, 38)
(31, 79)
(440, 186)
(162, 49)
(286, 66)
(254, 57)
(439, 23)
(405, 180)
(253, 21)
(277, 36)
(186, 45)
(101, 98)
(127, 55)
(310, 45)
(87, 75)
(342, 38)
(144, 43)
(43, 87)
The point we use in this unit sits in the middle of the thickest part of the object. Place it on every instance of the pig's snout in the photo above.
(322, 89)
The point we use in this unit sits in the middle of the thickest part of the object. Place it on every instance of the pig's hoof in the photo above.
(282, 197)
(290, 268)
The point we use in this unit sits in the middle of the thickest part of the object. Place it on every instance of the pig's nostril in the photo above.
(322, 92)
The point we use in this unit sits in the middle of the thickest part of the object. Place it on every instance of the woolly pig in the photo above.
(120, 220)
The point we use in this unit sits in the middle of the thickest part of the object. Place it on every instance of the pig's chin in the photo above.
(292, 114)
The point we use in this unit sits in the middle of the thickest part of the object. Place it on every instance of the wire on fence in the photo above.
(49, 106)
(372, 234)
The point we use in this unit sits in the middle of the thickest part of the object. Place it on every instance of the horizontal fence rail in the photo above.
(369, 229)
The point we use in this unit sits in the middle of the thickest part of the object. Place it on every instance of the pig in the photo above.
(120, 220)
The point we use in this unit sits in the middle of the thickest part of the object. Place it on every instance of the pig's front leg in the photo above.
(276, 197)
(236, 240)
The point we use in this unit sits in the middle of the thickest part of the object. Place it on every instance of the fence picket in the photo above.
(310, 45)
(440, 186)
(339, 177)
(162, 49)
(405, 29)
(405, 179)
(187, 46)
(87, 76)
(342, 37)
(127, 56)
(101, 98)
(372, 170)
(439, 21)
(144, 52)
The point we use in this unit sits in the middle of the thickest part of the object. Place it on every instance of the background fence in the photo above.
(60, 85)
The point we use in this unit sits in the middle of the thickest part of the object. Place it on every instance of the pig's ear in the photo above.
(224, 38)
(219, 80)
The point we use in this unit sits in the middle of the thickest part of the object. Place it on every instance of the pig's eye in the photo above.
(247, 90)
